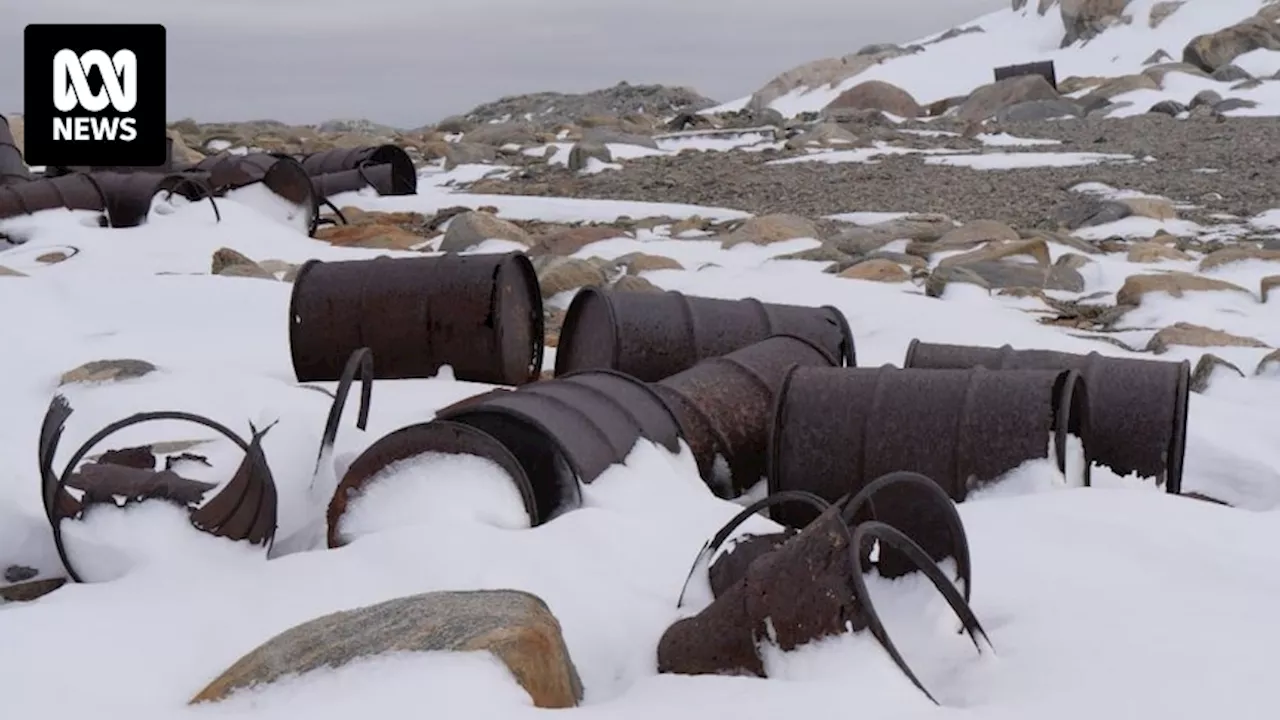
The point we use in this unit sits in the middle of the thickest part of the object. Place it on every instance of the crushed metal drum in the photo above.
(725, 407)
(835, 430)
(379, 177)
(569, 430)
(129, 194)
(437, 436)
(281, 174)
(655, 335)
(1137, 407)
(386, 168)
(244, 510)
(13, 169)
(479, 314)
(809, 588)
(1044, 69)
(73, 192)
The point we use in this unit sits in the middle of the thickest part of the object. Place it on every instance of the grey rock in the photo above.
(1229, 104)
(549, 109)
(499, 134)
(1088, 212)
(19, 573)
(1231, 73)
(1039, 110)
(466, 153)
(610, 135)
(582, 152)
(1204, 97)
(1172, 108)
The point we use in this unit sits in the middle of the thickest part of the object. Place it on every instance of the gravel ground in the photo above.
(1245, 151)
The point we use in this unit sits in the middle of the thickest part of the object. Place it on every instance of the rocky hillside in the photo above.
(547, 109)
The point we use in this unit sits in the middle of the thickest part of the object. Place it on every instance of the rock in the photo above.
(1237, 253)
(52, 258)
(571, 240)
(1090, 212)
(1249, 84)
(635, 283)
(1064, 239)
(819, 73)
(825, 252)
(1268, 284)
(624, 101)
(1039, 111)
(1172, 108)
(1000, 274)
(988, 100)
(877, 270)
(582, 152)
(1119, 86)
(878, 95)
(516, 627)
(1036, 249)
(30, 590)
(1174, 283)
(1205, 97)
(455, 124)
(247, 271)
(1158, 56)
(1084, 19)
(935, 285)
(377, 236)
(468, 153)
(224, 259)
(1202, 375)
(604, 135)
(19, 573)
(1156, 208)
(469, 229)
(1231, 73)
(976, 232)
(1161, 12)
(769, 229)
(822, 134)
(1188, 335)
(1158, 72)
(1268, 364)
(1229, 104)
(504, 133)
(868, 238)
(182, 153)
(1216, 49)
(570, 274)
(637, 262)
(107, 370)
(275, 267)
(10, 272)
(1150, 252)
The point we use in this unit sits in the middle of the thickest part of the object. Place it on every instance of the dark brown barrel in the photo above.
(379, 177)
(569, 430)
(73, 192)
(725, 406)
(837, 429)
(655, 335)
(129, 194)
(281, 174)
(439, 436)
(13, 169)
(480, 314)
(1137, 408)
(403, 176)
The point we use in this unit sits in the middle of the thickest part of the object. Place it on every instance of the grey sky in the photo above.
(410, 62)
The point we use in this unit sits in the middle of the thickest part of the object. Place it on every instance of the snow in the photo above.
(1010, 161)
(1013, 37)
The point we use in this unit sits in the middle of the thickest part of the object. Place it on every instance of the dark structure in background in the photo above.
(1137, 409)
(1044, 69)
(655, 335)
(480, 314)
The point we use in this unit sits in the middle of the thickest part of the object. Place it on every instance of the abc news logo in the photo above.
(95, 95)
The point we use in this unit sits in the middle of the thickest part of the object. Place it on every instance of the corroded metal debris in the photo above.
(359, 366)
(1137, 411)
(388, 169)
(725, 406)
(837, 429)
(654, 335)
(13, 169)
(73, 192)
(124, 198)
(569, 430)
(1044, 69)
(479, 314)
(245, 508)
(438, 436)
(281, 174)
(809, 587)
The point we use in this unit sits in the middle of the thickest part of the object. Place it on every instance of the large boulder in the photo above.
(988, 100)
(827, 71)
(877, 95)
(1217, 49)
(1083, 19)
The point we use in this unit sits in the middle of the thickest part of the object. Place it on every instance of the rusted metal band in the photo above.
(73, 192)
(359, 364)
(245, 509)
(402, 177)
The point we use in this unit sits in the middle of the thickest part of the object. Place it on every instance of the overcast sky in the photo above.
(411, 62)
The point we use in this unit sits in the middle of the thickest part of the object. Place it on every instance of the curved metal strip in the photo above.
(360, 363)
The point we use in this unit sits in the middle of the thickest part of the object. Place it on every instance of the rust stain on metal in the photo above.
(569, 430)
(386, 168)
(655, 335)
(73, 192)
(281, 174)
(837, 429)
(725, 407)
(1137, 407)
(479, 314)
(245, 509)
(124, 198)
(13, 169)
(438, 436)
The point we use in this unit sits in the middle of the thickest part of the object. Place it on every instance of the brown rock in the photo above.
(1267, 363)
(107, 370)
(581, 154)
(1157, 72)
(769, 229)
(1237, 253)
(570, 274)
(1268, 284)
(1216, 49)
(376, 236)
(52, 258)
(472, 228)
(877, 95)
(877, 270)
(635, 283)
(31, 590)
(689, 224)
(1084, 19)
(1037, 250)
(516, 627)
(1152, 207)
(1161, 12)
(1175, 283)
(1202, 375)
(1188, 335)
(637, 262)
(988, 100)
(571, 240)
(1150, 252)
(247, 271)
(10, 272)
(1119, 86)
(225, 257)
(868, 238)
(977, 232)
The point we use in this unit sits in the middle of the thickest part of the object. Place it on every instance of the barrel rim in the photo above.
(569, 329)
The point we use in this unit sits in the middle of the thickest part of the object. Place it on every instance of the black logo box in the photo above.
(40, 115)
